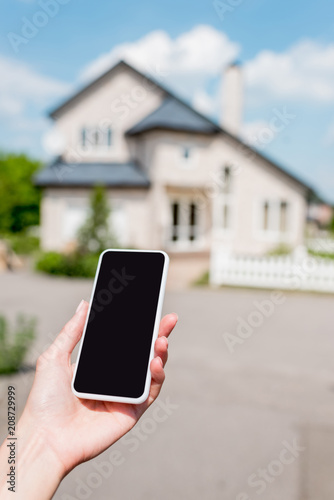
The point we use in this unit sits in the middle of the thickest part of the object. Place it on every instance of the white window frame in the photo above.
(97, 148)
(273, 233)
(184, 242)
(226, 188)
(75, 213)
(190, 161)
(218, 215)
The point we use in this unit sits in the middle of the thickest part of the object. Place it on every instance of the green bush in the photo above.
(74, 264)
(22, 243)
(322, 255)
(14, 344)
(280, 250)
(203, 280)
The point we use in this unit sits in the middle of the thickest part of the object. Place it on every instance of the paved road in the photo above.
(255, 423)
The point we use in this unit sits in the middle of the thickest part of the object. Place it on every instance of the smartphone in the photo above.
(121, 327)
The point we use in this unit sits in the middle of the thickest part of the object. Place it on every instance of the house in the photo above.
(176, 180)
(319, 216)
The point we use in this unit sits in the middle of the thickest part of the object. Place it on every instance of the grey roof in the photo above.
(172, 114)
(60, 174)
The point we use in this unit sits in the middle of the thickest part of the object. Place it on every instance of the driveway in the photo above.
(247, 411)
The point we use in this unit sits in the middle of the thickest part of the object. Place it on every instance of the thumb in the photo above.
(72, 331)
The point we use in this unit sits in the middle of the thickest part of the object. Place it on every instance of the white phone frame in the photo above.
(144, 396)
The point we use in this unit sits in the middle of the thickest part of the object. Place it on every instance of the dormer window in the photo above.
(96, 138)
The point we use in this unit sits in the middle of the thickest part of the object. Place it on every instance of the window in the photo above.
(74, 216)
(226, 179)
(274, 216)
(186, 152)
(184, 221)
(283, 221)
(83, 137)
(175, 221)
(226, 216)
(96, 138)
(265, 216)
(187, 156)
(192, 221)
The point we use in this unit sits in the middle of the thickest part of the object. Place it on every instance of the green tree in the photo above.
(19, 198)
(95, 235)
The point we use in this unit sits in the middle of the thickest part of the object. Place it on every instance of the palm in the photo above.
(79, 429)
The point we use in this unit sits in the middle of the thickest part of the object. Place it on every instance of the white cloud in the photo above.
(205, 103)
(21, 86)
(251, 130)
(190, 63)
(186, 62)
(304, 72)
(24, 96)
(9, 105)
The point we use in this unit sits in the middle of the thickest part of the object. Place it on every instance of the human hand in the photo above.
(74, 430)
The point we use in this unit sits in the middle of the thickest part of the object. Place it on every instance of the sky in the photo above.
(51, 48)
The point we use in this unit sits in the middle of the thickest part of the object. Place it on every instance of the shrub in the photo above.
(95, 234)
(22, 243)
(280, 250)
(74, 264)
(14, 344)
(322, 255)
(203, 280)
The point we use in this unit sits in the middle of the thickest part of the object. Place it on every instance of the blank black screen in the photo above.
(116, 347)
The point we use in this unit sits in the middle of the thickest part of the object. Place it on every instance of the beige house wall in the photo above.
(253, 183)
(130, 213)
(119, 101)
(146, 214)
(143, 216)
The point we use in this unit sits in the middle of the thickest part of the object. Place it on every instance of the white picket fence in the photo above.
(299, 271)
(325, 245)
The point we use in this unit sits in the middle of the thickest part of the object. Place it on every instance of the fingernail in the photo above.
(166, 340)
(80, 306)
(160, 360)
(175, 314)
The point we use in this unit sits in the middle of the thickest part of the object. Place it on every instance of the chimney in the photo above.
(232, 99)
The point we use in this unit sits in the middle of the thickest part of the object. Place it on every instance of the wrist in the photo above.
(37, 470)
